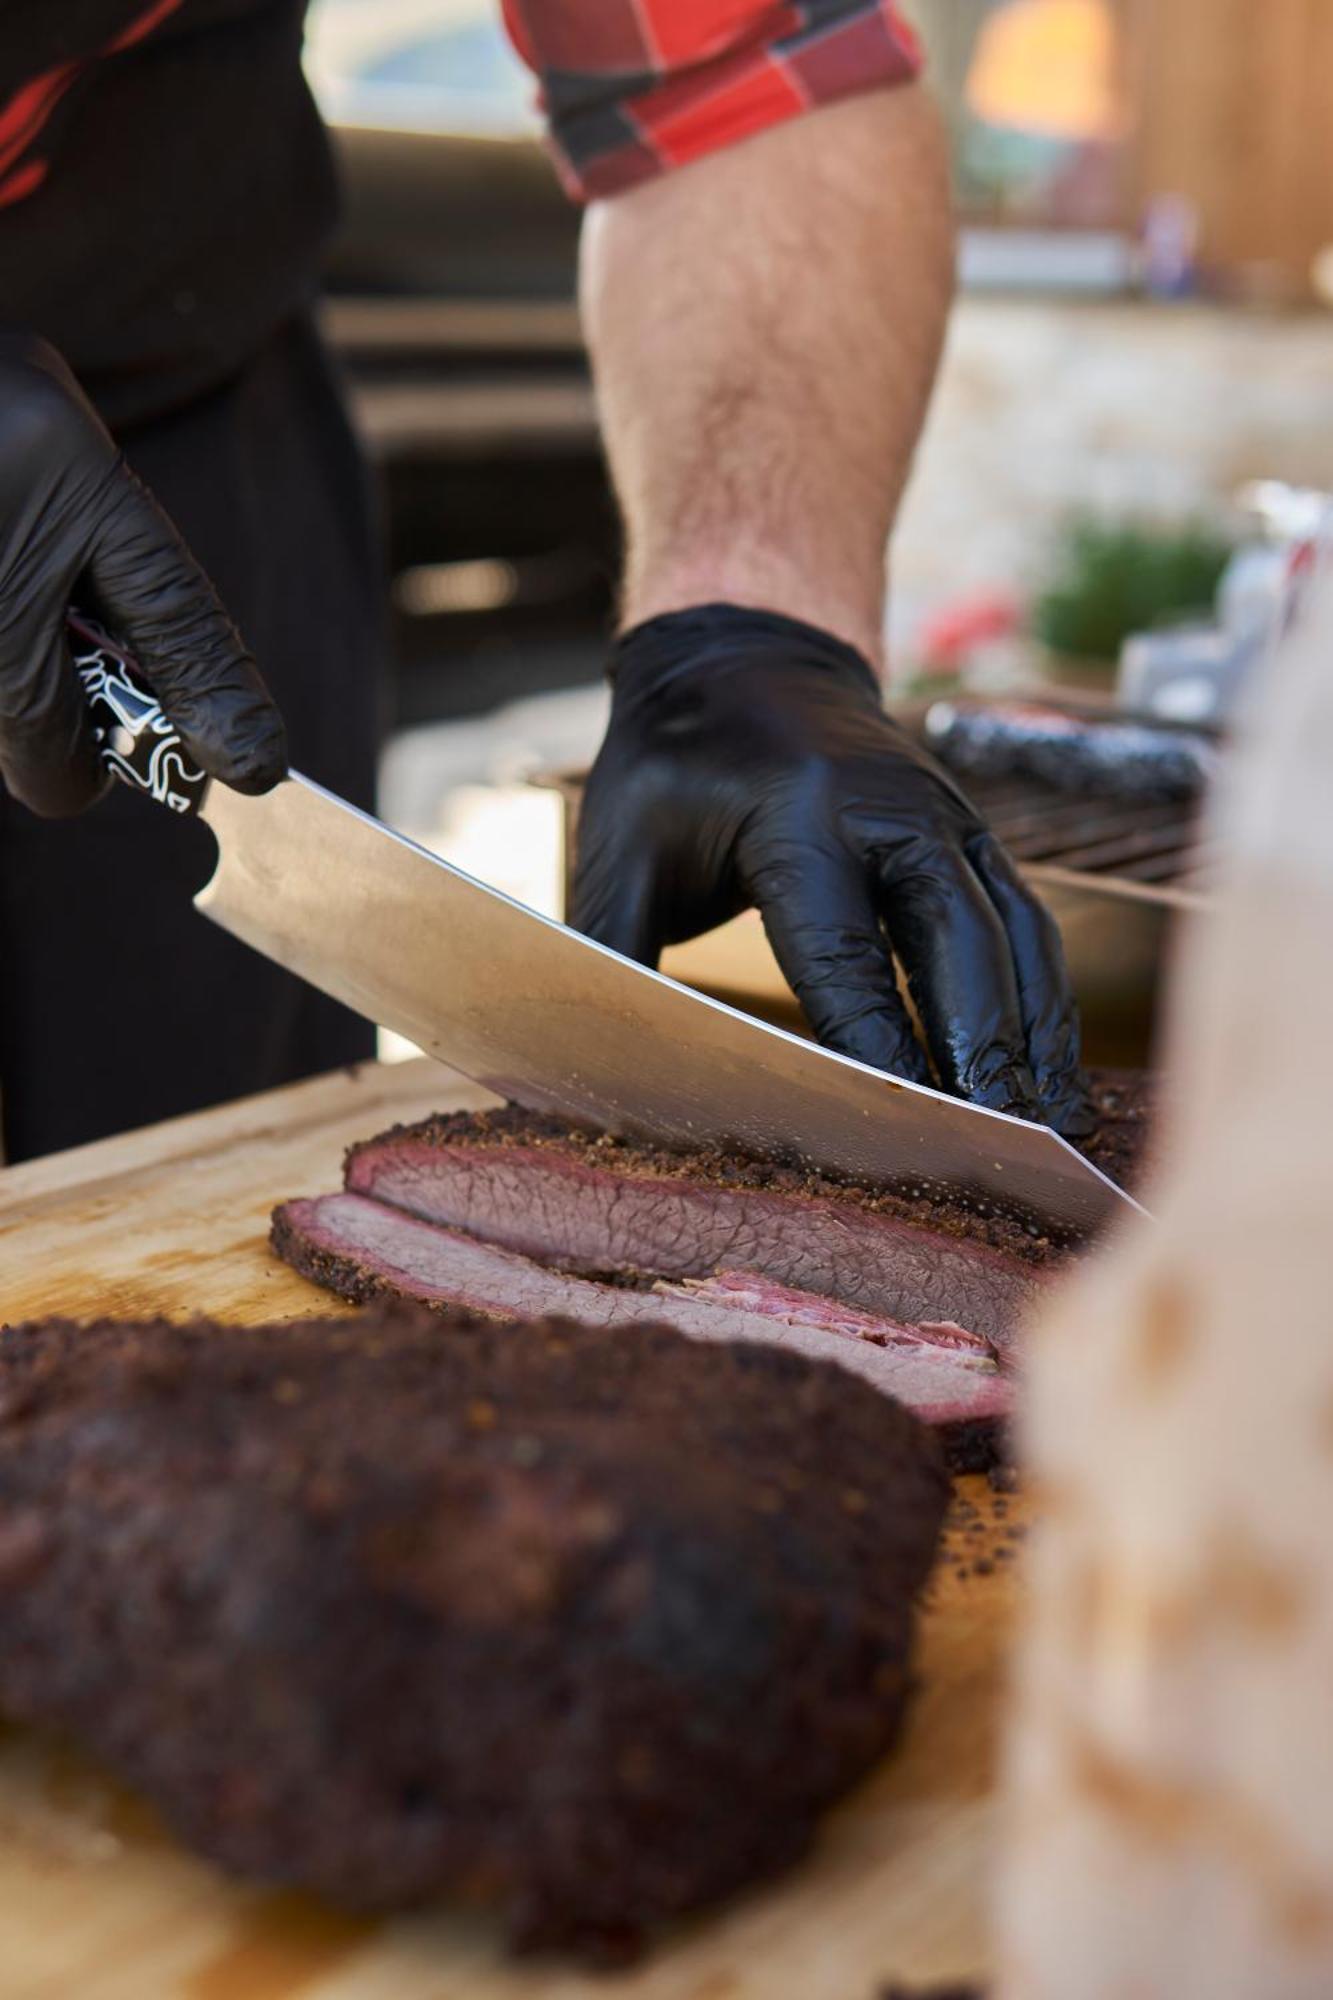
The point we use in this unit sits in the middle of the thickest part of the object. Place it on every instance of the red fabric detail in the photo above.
(610, 173)
(837, 64)
(511, 13)
(683, 122)
(690, 31)
(904, 32)
(638, 86)
(142, 26)
(24, 118)
(28, 109)
(580, 35)
(25, 182)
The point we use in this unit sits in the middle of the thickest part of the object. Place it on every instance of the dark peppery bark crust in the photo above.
(1125, 1102)
(363, 1250)
(401, 1606)
(731, 1172)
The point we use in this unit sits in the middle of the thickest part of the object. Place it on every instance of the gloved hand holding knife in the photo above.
(77, 528)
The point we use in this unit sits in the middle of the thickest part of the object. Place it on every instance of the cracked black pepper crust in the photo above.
(409, 1605)
(1123, 1100)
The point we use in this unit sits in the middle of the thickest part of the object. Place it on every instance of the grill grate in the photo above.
(1160, 851)
(1159, 845)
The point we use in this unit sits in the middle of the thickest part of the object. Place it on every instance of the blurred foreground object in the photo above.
(1171, 1780)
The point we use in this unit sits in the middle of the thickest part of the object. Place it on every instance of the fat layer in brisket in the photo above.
(590, 1629)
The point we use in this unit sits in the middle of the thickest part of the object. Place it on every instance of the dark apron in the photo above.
(119, 1004)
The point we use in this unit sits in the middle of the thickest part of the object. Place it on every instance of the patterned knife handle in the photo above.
(138, 744)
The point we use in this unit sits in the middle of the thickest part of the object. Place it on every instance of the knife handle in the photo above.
(136, 741)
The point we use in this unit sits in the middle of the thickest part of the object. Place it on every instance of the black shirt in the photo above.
(166, 188)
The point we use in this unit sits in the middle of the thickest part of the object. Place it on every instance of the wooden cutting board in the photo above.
(97, 1903)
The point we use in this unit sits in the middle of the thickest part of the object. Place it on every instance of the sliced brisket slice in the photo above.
(388, 1609)
(363, 1250)
(597, 1206)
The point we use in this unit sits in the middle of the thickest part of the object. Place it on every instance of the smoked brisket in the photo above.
(515, 1215)
(596, 1205)
(362, 1249)
(586, 1628)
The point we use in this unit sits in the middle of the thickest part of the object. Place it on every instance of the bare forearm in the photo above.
(765, 326)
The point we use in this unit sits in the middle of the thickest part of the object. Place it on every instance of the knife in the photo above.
(546, 1018)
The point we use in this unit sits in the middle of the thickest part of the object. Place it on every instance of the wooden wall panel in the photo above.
(1234, 109)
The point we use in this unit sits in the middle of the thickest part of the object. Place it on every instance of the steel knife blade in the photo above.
(542, 1016)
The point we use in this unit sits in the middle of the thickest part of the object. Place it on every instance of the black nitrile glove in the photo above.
(748, 761)
(76, 526)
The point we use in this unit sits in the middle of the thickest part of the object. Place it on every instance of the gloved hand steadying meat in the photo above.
(749, 761)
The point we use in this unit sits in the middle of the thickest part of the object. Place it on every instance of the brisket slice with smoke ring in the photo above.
(362, 1250)
(386, 1608)
(601, 1206)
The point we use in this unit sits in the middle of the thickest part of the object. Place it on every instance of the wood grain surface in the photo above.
(97, 1903)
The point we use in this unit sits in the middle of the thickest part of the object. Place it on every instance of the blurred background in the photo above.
(1146, 188)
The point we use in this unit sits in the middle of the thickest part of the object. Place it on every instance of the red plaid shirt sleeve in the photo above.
(634, 87)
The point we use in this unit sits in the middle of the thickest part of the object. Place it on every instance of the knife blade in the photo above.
(544, 1017)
